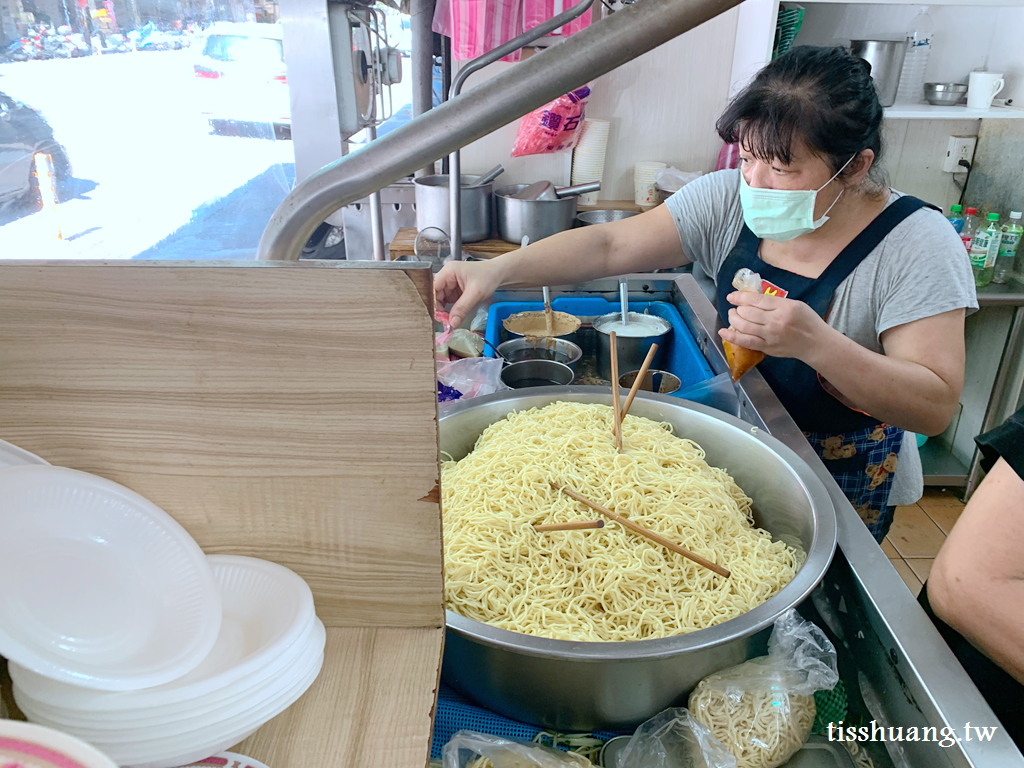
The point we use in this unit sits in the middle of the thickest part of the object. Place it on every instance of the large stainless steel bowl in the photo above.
(579, 686)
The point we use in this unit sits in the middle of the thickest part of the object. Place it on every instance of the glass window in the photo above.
(163, 126)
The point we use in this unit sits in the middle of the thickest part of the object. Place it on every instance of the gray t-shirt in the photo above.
(920, 269)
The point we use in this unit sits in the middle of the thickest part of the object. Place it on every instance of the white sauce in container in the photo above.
(639, 326)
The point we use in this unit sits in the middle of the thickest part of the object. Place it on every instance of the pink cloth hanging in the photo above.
(536, 12)
(478, 26)
(728, 157)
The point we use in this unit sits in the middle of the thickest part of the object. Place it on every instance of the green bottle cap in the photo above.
(993, 217)
(956, 208)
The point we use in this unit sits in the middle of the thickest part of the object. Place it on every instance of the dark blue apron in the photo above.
(857, 449)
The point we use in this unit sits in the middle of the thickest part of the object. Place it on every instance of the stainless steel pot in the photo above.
(535, 219)
(536, 373)
(433, 208)
(632, 349)
(579, 686)
(886, 60)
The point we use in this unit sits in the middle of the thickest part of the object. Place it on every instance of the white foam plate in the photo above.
(150, 716)
(99, 587)
(123, 736)
(180, 750)
(26, 745)
(267, 610)
(13, 456)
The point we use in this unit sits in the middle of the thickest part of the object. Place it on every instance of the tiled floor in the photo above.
(917, 533)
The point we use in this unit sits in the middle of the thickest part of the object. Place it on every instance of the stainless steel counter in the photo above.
(904, 672)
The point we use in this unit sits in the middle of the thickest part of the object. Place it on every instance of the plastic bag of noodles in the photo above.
(675, 739)
(468, 749)
(763, 710)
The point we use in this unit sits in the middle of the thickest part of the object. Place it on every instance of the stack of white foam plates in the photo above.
(267, 654)
(99, 586)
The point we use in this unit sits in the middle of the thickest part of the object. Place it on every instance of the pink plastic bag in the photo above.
(478, 26)
(536, 12)
(555, 127)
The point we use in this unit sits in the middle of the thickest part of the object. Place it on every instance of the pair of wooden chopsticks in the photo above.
(620, 416)
(657, 538)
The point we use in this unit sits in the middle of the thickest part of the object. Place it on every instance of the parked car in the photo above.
(23, 134)
(241, 78)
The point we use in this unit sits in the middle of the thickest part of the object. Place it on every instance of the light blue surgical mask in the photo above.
(783, 214)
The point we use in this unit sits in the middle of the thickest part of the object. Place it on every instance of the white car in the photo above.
(241, 79)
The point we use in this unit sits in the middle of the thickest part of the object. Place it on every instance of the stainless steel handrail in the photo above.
(455, 158)
(596, 50)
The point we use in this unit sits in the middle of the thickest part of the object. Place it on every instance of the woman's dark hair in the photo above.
(824, 97)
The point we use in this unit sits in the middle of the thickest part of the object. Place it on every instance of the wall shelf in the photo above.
(929, 112)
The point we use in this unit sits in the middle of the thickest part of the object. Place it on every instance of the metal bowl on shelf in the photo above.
(582, 686)
(944, 94)
(588, 218)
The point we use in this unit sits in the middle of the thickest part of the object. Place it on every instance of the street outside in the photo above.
(150, 178)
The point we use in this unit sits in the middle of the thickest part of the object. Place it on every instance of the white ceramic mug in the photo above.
(982, 88)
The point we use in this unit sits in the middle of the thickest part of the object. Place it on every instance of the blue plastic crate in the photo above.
(683, 357)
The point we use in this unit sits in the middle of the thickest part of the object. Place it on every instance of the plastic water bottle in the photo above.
(984, 249)
(1008, 248)
(919, 47)
(969, 228)
(956, 217)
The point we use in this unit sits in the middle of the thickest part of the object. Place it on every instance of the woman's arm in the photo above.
(637, 244)
(977, 583)
(915, 385)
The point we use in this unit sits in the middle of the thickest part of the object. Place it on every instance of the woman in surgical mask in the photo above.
(864, 289)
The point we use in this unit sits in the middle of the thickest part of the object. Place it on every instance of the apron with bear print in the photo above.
(858, 451)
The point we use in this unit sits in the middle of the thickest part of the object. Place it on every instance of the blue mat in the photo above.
(456, 713)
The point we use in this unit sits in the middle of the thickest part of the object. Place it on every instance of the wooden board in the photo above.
(281, 410)
(404, 241)
(368, 708)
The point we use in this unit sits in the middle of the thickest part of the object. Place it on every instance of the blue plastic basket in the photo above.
(683, 357)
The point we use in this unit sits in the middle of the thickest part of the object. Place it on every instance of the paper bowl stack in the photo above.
(645, 184)
(588, 157)
(122, 633)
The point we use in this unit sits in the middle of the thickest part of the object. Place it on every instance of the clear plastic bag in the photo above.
(763, 709)
(468, 749)
(675, 739)
(672, 179)
(469, 377)
(555, 127)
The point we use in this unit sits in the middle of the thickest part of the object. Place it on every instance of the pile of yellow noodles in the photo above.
(607, 584)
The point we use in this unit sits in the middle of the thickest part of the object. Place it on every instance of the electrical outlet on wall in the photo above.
(959, 148)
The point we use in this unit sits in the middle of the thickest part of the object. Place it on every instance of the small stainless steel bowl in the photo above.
(559, 350)
(536, 373)
(944, 94)
(662, 382)
(588, 218)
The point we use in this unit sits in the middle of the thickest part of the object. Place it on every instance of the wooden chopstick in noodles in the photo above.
(578, 525)
(615, 391)
(639, 379)
(658, 539)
